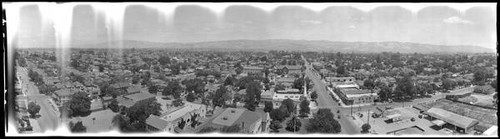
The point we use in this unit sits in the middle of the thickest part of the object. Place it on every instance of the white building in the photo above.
(170, 120)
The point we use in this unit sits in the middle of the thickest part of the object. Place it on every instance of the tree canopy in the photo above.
(80, 104)
(323, 122)
(173, 88)
(33, 109)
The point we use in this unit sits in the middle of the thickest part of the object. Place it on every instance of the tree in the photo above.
(77, 127)
(385, 93)
(229, 81)
(275, 125)
(194, 85)
(140, 111)
(153, 89)
(341, 70)
(448, 84)
(33, 109)
(293, 124)
(314, 95)
(164, 60)
(323, 122)
(268, 106)
(182, 123)
(177, 102)
(253, 91)
(114, 106)
(190, 97)
(277, 114)
(218, 99)
(298, 83)
(231, 129)
(369, 84)
(289, 104)
(173, 88)
(494, 85)
(80, 104)
(365, 128)
(480, 76)
(304, 107)
(207, 129)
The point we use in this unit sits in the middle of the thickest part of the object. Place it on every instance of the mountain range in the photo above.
(301, 45)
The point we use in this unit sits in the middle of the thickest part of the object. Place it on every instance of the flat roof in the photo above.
(352, 91)
(228, 117)
(140, 96)
(452, 118)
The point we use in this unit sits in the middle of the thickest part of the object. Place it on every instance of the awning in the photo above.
(438, 122)
(394, 116)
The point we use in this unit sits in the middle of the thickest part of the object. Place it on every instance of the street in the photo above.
(326, 101)
(48, 119)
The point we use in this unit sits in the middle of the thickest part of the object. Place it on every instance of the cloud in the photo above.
(352, 26)
(456, 20)
(311, 22)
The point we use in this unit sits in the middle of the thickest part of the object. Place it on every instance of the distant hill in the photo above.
(302, 45)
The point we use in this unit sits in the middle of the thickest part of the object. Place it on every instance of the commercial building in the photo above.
(460, 123)
(354, 96)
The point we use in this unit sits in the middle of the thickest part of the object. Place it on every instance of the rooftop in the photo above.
(140, 96)
(173, 115)
(351, 91)
(451, 117)
(156, 122)
(228, 117)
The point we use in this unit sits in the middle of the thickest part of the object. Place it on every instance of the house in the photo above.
(250, 122)
(169, 121)
(121, 85)
(132, 99)
(63, 95)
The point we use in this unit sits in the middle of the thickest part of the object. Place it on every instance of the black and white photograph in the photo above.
(236, 69)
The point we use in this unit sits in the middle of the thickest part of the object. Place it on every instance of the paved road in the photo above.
(324, 100)
(348, 127)
(48, 119)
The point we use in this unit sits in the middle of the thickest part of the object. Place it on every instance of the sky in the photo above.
(69, 24)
